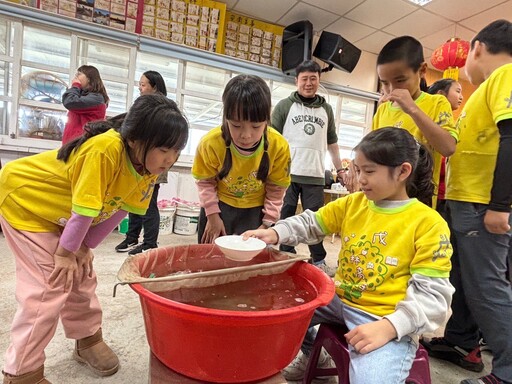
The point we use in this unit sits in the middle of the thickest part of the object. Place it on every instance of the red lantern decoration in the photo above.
(450, 56)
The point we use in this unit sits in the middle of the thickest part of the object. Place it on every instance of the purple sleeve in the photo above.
(74, 232)
(99, 232)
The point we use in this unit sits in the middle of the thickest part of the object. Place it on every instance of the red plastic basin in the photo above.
(230, 346)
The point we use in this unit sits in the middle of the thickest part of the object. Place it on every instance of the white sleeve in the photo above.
(302, 228)
(425, 306)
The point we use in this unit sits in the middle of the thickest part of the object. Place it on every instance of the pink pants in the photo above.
(40, 306)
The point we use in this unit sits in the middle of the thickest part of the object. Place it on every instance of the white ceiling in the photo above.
(369, 24)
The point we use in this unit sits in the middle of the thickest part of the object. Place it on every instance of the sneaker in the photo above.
(140, 249)
(330, 271)
(488, 379)
(484, 346)
(468, 359)
(126, 245)
(297, 368)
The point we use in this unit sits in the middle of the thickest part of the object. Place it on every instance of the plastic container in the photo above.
(230, 346)
(123, 226)
(186, 220)
(166, 220)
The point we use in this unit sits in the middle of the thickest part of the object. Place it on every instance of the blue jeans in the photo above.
(483, 258)
(390, 363)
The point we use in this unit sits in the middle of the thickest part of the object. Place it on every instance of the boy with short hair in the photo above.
(479, 194)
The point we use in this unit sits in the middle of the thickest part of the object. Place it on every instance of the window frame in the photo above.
(21, 16)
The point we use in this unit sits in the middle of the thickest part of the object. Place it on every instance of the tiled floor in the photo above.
(123, 324)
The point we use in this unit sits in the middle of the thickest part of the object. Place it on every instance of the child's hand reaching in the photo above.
(371, 336)
(269, 236)
(213, 229)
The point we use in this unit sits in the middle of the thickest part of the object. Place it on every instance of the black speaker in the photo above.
(297, 45)
(337, 52)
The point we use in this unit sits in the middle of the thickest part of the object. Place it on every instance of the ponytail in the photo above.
(265, 160)
(228, 160)
(420, 184)
(392, 147)
(91, 129)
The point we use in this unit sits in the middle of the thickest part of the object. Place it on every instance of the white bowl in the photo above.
(237, 249)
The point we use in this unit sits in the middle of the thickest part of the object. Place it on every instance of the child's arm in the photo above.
(207, 189)
(424, 309)
(99, 232)
(425, 306)
(437, 137)
(273, 202)
(496, 218)
(302, 228)
(64, 256)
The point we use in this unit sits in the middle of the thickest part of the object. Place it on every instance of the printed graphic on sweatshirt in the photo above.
(364, 264)
(243, 185)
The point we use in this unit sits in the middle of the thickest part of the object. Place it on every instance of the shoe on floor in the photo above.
(488, 379)
(96, 354)
(140, 248)
(439, 348)
(297, 368)
(34, 377)
(126, 245)
(330, 271)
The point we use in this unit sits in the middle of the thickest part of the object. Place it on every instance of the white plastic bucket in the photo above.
(186, 220)
(166, 220)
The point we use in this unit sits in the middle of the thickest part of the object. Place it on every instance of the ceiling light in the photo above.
(421, 3)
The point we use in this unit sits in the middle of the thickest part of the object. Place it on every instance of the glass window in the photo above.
(39, 85)
(281, 91)
(4, 37)
(46, 47)
(202, 112)
(5, 107)
(354, 110)
(168, 68)
(111, 60)
(194, 137)
(41, 123)
(117, 92)
(204, 79)
(349, 135)
(4, 78)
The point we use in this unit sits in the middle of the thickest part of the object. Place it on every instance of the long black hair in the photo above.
(406, 49)
(247, 98)
(442, 85)
(392, 147)
(156, 81)
(95, 83)
(153, 120)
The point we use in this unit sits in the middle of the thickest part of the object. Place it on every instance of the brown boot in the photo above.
(34, 377)
(96, 354)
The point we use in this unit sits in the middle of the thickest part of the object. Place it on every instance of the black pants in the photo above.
(311, 197)
(236, 220)
(150, 222)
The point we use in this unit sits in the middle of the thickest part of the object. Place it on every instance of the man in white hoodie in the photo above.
(307, 122)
